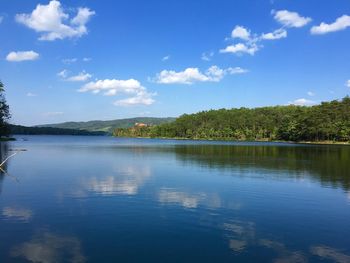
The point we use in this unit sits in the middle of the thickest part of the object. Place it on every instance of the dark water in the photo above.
(100, 199)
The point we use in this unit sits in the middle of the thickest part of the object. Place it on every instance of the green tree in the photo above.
(4, 113)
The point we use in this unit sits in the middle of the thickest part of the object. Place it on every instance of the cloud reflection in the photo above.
(189, 200)
(127, 182)
(285, 255)
(50, 248)
(330, 253)
(17, 213)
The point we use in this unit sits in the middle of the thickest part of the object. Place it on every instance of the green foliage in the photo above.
(329, 121)
(4, 113)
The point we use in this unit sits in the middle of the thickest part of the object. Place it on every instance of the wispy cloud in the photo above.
(311, 94)
(18, 56)
(69, 60)
(341, 23)
(53, 113)
(81, 77)
(277, 34)
(53, 23)
(29, 94)
(165, 58)
(192, 75)
(207, 56)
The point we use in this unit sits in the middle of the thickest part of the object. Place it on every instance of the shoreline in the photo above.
(225, 140)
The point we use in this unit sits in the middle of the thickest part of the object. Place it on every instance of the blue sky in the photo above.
(86, 60)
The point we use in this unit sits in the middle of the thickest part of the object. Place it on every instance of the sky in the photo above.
(101, 60)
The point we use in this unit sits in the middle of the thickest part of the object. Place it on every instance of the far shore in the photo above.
(228, 140)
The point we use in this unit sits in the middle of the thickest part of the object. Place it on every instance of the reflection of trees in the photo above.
(328, 164)
(3, 154)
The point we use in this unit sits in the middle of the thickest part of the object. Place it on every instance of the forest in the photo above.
(328, 121)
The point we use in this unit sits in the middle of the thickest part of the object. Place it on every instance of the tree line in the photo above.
(4, 113)
(328, 121)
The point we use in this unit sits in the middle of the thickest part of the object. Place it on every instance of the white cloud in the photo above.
(192, 75)
(290, 19)
(29, 94)
(87, 59)
(277, 34)
(53, 23)
(166, 58)
(22, 56)
(311, 94)
(69, 60)
(112, 87)
(82, 76)
(302, 102)
(141, 98)
(340, 24)
(348, 83)
(240, 32)
(241, 48)
(206, 56)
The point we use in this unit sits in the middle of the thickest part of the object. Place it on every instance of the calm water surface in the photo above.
(102, 199)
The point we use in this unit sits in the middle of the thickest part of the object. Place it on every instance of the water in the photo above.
(102, 199)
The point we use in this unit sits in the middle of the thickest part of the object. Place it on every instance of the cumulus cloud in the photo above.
(22, 56)
(241, 48)
(290, 19)
(348, 83)
(113, 87)
(87, 59)
(302, 102)
(192, 75)
(340, 24)
(53, 23)
(240, 32)
(277, 34)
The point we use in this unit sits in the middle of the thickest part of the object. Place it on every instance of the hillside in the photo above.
(328, 121)
(108, 126)
(23, 130)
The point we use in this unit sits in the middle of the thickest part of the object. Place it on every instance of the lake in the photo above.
(104, 199)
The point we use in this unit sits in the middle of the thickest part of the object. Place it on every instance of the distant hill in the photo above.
(23, 130)
(108, 126)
